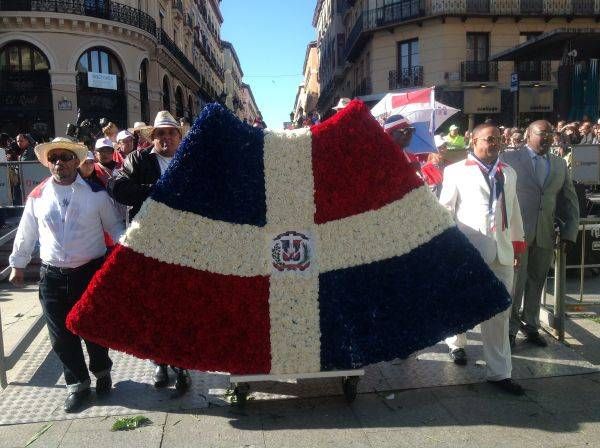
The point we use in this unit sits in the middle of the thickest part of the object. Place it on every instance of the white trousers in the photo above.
(494, 333)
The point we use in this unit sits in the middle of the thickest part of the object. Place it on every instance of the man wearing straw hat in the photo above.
(132, 186)
(68, 216)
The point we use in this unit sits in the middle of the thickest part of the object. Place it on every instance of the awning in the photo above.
(551, 46)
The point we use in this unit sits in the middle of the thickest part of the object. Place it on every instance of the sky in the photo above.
(270, 39)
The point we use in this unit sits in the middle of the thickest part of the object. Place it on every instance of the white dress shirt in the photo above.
(69, 223)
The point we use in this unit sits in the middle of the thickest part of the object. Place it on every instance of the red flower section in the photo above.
(356, 166)
(177, 315)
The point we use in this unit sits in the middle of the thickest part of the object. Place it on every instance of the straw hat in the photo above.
(137, 126)
(163, 119)
(343, 102)
(42, 150)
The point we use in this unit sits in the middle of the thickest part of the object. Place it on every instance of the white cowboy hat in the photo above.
(42, 150)
(343, 102)
(137, 126)
(163, 119)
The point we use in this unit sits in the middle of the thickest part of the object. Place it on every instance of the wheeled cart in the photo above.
(350, 378)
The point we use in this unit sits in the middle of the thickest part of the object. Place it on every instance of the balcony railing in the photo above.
(583, 7)
(406, 77)
(479, 71)
(381, 17)
(409, 10)
(168, 43)
(363, 88)
(107, 10)
(534, 71)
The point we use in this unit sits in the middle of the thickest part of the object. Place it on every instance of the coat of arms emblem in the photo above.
(291, 251)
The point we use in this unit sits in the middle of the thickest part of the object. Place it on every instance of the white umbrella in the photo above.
(415, 106)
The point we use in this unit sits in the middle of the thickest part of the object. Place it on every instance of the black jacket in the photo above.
(131, 186)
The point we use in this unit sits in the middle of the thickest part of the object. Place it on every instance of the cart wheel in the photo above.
(350, 386)
(240, 392)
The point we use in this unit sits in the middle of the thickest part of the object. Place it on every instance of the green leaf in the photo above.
(38, 434)
(129, 423)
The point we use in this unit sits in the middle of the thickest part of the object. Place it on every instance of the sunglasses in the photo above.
(491, 139)
(66, 157)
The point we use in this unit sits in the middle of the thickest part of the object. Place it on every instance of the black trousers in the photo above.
(59, 290)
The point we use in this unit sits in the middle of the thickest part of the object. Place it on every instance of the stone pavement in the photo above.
(561, 411)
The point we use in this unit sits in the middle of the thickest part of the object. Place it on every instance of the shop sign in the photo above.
(482, 101)
(102, 81)
(65, 105)
(536, 99)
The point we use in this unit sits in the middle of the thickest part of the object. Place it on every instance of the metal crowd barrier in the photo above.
(556, 315)
(18, 179)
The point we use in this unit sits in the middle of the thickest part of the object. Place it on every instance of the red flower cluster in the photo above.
(356, 167)
(213, 323)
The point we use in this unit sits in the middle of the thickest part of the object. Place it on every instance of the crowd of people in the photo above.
(504, 194)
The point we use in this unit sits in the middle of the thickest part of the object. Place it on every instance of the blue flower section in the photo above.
(218, 170)
(392, 308)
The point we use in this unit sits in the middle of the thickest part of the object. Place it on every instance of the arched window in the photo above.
(178, 102)
(166, 94)
(21, 56)
(144, 103)
(99, 60)
(101, 87)
(25, 91)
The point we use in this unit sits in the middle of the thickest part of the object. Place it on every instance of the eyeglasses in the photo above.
(65, 157)
(492, 140)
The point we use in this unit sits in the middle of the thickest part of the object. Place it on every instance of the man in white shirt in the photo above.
(68, 216)
(132, 186)
(481, 193)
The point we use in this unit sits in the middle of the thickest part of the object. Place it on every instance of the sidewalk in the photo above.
(561, 411)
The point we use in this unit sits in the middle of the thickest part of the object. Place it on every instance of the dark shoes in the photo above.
(509, 386)
(76, 400)
(536, 339)
(459, 356)
(183, 381)
(103, 385)
(161, 376)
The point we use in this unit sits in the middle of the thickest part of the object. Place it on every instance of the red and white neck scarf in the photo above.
(494, 177)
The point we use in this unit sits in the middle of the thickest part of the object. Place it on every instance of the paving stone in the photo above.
(213, 428)
(14, 436)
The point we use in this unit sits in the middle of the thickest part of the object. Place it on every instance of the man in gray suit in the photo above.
(545, 191)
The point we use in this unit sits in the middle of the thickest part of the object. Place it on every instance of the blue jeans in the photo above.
(59, 290)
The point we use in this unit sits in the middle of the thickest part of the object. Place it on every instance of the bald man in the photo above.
(545, 191)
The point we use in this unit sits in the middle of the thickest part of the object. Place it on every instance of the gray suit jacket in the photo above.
(541, 205)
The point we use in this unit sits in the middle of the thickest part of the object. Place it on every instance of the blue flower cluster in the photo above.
(218, 170)
(392, 308)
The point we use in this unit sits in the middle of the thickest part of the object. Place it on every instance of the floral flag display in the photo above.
(265, 252)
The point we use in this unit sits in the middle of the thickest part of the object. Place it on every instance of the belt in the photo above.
(60, 270)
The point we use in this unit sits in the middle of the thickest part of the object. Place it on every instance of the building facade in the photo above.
(308, 91)
(251, 111)
(233, 79)
(370, 47)
(123, 61)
